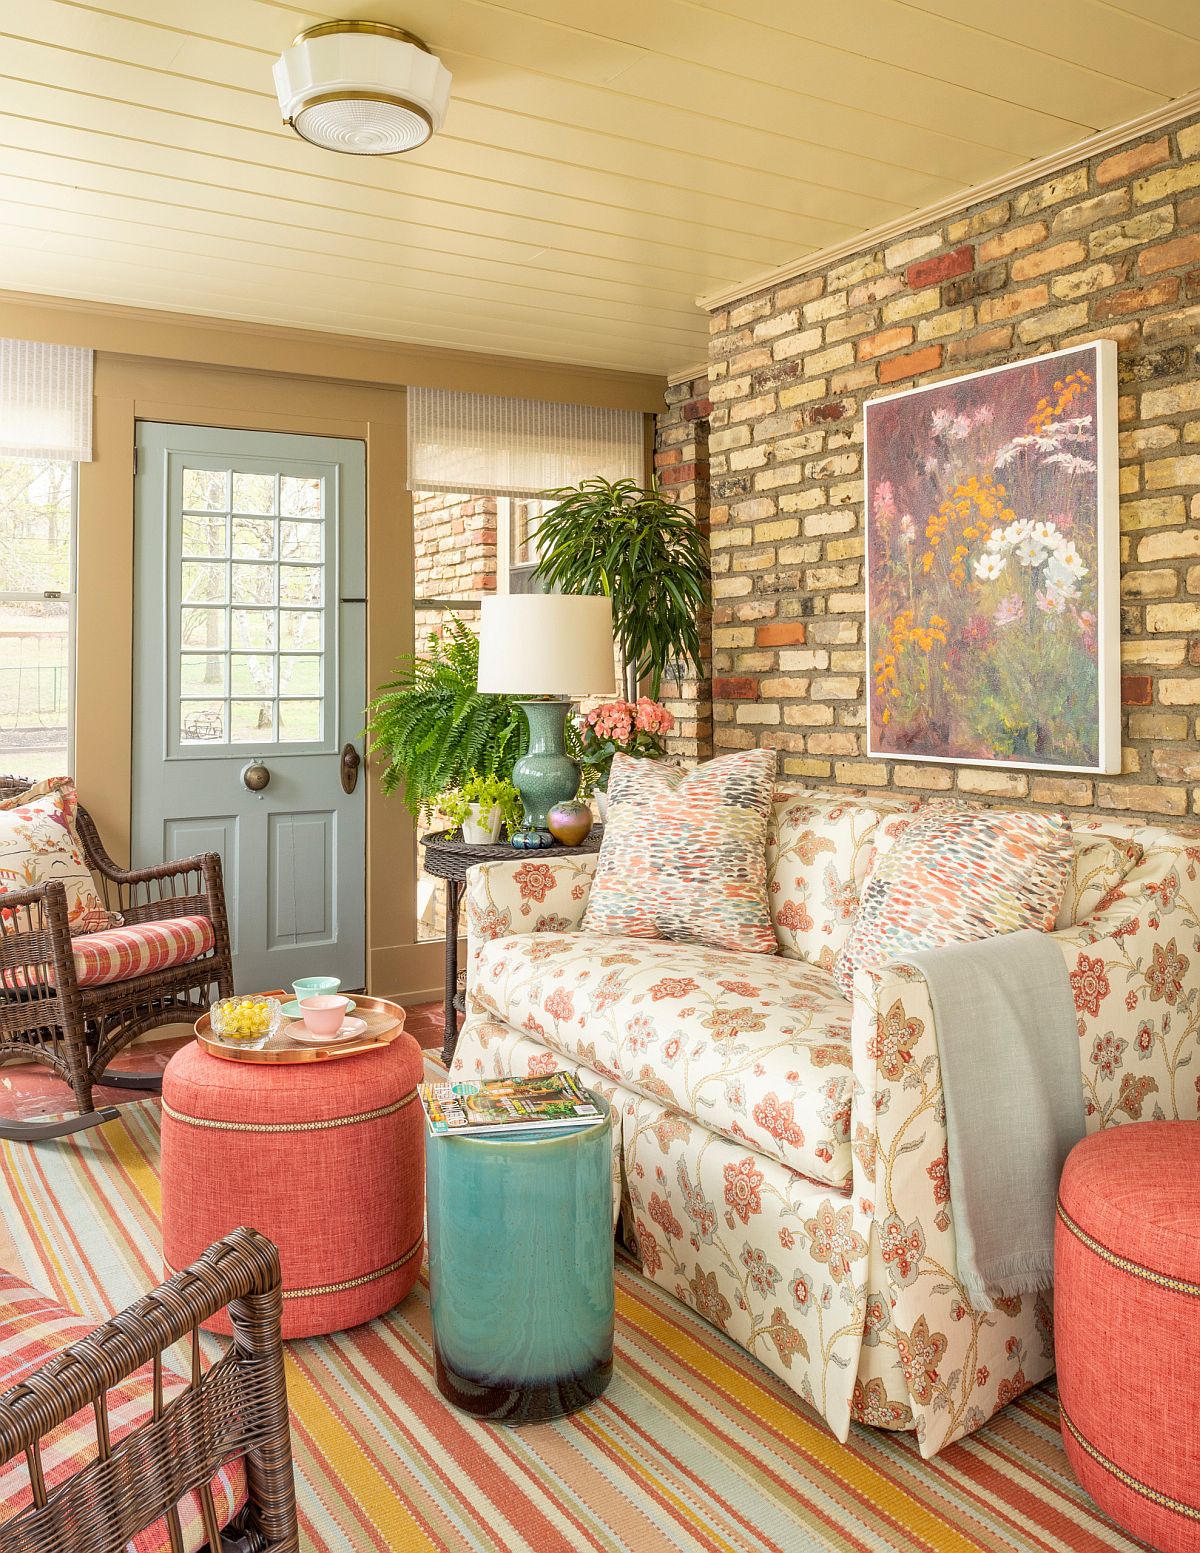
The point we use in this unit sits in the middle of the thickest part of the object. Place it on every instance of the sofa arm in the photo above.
(527, 895)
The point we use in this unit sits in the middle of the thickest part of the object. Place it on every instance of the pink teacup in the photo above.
(324, 1015)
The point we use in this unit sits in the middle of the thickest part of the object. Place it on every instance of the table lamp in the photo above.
(545, 649)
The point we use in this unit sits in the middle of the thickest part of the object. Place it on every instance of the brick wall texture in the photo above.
(681, 465)
(1109, 248)
(454, 544)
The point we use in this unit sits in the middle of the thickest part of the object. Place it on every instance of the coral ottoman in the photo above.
(1127, 1326)
(325, 1158)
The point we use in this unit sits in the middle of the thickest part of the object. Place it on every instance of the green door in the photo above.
(249, 666)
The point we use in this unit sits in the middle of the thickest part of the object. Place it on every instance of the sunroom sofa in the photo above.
(782, 1150)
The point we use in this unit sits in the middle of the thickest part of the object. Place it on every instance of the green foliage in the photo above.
(641, 550)
(436, 729)
(489, 792)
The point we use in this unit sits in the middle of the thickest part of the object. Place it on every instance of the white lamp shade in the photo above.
(546, 644)
(362, 87)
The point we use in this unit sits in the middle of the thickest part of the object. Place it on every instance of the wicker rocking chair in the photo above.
(74, 1003)
(129, 1445)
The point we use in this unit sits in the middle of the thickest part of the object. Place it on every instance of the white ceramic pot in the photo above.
(482, 830)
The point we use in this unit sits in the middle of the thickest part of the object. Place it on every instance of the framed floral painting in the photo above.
(993, 566)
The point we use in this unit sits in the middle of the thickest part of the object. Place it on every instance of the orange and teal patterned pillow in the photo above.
(684, 854)
(957, 875)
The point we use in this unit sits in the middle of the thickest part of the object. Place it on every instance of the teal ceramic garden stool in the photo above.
(521, 1270)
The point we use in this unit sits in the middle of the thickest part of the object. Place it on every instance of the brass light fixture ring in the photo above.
(387, 97)
(380, 29)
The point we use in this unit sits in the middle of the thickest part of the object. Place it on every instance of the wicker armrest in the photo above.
(139, 1480)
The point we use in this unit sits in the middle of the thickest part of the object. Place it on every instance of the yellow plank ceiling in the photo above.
(602, 163)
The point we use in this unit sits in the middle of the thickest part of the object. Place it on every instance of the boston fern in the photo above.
(436, 729)
(642, 550)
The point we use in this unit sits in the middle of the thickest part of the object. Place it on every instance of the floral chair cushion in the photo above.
(956, 875)
(755, 1049)
(684, 853)
(38, 843)
(820, 847)
(32, 1329)
(1100, 864)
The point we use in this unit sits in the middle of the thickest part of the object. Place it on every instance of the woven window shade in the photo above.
(516, 447)
(45, 401)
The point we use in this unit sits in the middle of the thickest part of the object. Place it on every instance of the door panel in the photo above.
(250, 651)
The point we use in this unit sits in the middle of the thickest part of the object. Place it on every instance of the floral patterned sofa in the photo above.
(782, 1151)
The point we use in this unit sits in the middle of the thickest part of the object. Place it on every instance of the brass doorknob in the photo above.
(255, 776)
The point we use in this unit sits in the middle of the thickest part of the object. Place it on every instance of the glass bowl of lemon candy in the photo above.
(246, 1022)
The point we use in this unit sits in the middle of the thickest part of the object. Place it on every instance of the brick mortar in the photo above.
(1108, 248)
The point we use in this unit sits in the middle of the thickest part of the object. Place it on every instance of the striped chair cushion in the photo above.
(121, 952)
(32, 1328)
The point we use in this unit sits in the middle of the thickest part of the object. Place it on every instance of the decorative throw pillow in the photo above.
(821, 844)
(1099, 864)
(955, 876)
(684, 853)
(38, 842)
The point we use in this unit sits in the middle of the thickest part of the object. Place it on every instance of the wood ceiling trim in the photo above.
(1028, 172)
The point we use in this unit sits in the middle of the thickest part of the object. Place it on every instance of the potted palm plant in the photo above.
(646, 554)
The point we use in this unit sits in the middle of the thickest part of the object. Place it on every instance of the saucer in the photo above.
(351, 1028)
(292, 1009)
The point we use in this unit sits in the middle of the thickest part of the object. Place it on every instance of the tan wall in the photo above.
(201, 371)
(1108, 248)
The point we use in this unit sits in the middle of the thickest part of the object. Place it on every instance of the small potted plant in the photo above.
(480, 806)
(634, 728)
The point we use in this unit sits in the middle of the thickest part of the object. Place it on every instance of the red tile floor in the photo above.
(27, 1090)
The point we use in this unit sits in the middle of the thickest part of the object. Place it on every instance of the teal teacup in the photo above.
(315, 987)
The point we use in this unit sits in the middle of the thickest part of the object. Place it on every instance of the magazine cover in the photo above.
(551, 1100)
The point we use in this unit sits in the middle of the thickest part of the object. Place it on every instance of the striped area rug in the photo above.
(694, 1448)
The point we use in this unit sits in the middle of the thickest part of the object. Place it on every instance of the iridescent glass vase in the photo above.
(521, 1269)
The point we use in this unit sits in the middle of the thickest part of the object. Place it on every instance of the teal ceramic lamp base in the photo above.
(521, 1270)
(546, 775)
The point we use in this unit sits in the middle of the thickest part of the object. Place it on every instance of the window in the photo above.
(521, 514)
(37, 616)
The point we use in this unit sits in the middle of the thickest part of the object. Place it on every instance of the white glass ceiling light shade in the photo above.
(362, 87)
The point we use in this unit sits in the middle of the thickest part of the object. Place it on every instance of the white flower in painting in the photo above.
(1062, 579)
(959, 428)
(984, 415)
(1045, 533)
(1029, 552)
(1071, 462)
(908, 529)
(939, 422)
(989, 566)
(1068, 559)
(1017, 530)
(930, 465)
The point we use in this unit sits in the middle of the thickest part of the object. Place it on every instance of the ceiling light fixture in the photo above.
(365, 88)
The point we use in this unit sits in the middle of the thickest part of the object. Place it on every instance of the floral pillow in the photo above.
(38, 842)
(821, 845)
(957, 875)
(684, 853)
(1099, 865)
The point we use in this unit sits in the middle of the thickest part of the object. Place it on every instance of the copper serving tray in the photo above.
(384, 1023)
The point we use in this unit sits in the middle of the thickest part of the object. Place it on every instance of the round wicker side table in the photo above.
(448, 856)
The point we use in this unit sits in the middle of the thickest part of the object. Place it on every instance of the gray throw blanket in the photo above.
(1009, 1050)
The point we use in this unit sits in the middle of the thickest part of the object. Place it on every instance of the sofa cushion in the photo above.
(821, 845)
(755, 1048)
(684, 853)
(957, 875)
(32, 1329)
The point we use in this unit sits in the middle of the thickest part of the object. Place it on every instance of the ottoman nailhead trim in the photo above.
(333, 1121)
(346, 1283)
(1192, 1512)
(1164, 1280)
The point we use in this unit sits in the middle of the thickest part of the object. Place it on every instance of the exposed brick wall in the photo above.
(454, 543)
(1109, 249)
(681, 465)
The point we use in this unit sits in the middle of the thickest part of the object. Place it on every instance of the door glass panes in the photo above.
(252, 596)
(37, 542)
